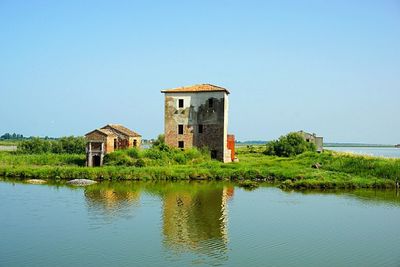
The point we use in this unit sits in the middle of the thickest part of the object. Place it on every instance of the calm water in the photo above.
(195, 224)
(389, 152)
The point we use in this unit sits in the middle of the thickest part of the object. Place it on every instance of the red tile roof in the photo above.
(197, 88)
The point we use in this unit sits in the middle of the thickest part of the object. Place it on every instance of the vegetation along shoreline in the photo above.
(299, 168)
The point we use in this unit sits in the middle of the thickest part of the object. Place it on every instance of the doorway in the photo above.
(214, 154)
(96, 161)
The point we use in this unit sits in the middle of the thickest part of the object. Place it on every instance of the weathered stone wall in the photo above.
(132, 142)
(319, 142)
(109, 146)
(312, 138)
(123, 140)
(196, 111)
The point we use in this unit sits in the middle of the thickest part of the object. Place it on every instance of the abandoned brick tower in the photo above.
(198, 116)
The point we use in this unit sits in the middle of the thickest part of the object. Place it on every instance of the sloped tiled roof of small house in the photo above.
(197, 88)
(121, 129)
(106, 132)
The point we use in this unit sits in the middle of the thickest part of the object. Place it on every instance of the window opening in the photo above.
(211, 103)
(180, 129)
(181, 144)
(180, 104)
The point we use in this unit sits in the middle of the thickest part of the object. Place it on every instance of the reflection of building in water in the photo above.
(108, 200)
(194, 217)
(197, 221)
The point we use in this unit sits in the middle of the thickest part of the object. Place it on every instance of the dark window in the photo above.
(180, 129)
(134, 142)
(115, 143)
(211, 103)
(181, 144)
(213, 154)
(200, 128)
(308, 140)
(180, 105)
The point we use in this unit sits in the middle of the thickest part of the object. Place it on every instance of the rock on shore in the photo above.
(81, 182)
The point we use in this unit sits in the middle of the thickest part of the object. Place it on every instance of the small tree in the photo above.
(159, 143)
(34, 146)
(160, 140)
(289, 145)
(72, 144)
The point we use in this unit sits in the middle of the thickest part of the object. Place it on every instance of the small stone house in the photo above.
(197, 116)
(313, 138)
(108, 139)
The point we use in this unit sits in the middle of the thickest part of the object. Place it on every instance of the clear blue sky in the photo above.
(330, 67)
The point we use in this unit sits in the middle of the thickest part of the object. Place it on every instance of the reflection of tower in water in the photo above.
(197, 221)
(194, 217)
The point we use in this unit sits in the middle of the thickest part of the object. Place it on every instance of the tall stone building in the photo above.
(198, 116)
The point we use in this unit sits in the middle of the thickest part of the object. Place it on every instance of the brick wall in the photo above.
(197, 111)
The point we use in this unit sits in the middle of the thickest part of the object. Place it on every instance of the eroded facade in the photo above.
(108, 139)
(313, 138)
(198, 118)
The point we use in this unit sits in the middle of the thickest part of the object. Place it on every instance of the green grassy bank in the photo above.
(335, 170)
(8, 142)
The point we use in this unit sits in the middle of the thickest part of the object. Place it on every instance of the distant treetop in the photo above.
(13, 136)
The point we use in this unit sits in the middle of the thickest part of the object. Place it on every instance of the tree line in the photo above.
(14, 136)
(63, 145)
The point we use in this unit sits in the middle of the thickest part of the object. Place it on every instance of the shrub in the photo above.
(72, 145)
(34, 146)
(251, 149)
(179, 158)
(194, 153)
(153, 153)
(133, 153)
(63, 145)
(118, 158)
(289, 145)
(140, 163)
(159, 141)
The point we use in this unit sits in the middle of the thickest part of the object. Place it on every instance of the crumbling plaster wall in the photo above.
(196, 111)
